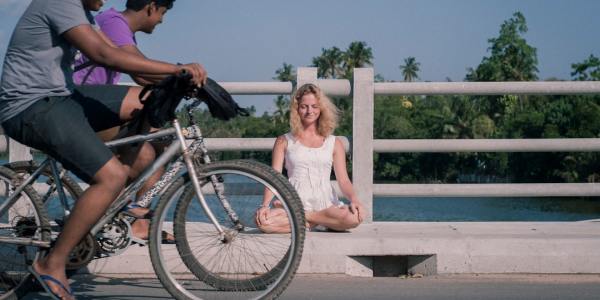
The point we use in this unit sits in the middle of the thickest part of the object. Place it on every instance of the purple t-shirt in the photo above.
(116, 28)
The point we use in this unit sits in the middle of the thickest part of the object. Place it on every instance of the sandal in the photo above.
(127, 210)
(43, 279)
(166, 240)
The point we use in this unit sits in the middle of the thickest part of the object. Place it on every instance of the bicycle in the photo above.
(210, 206)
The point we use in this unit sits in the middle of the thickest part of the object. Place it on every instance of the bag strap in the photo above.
(87, 75)
(83, 66)
(140, 119)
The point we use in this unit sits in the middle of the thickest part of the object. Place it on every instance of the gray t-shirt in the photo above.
(38, 61)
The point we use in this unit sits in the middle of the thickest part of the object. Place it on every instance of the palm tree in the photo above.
(329, 62)
(357, 55)
(410, 69)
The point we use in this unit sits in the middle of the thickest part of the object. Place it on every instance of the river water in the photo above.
(478, 209)
(485, 209)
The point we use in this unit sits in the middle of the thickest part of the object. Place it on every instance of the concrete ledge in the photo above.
(450, 248)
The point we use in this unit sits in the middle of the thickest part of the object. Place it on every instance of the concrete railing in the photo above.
(364, 91)
(362, 144)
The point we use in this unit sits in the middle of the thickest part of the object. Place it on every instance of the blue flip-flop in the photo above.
(42, 281)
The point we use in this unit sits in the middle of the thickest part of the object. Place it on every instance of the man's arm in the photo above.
(141, 79)
(89, 42)
(105, 38)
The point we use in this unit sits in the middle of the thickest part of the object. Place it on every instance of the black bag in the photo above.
(220, 103)
(159, 107)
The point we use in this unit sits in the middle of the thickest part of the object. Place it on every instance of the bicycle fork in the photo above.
(218, 186)
(189, 162)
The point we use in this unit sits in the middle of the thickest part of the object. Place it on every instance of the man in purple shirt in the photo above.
(120, 28)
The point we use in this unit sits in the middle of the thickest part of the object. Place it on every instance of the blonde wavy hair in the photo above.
(328, 120)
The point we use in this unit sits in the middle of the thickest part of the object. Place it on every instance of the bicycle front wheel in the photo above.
(24, 235)
(244, 263)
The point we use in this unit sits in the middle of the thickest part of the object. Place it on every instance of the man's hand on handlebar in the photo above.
(197, 71)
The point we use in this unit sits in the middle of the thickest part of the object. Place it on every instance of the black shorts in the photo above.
(65, 127)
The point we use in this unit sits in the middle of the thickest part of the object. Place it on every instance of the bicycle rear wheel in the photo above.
(23, 228)
(57, 211)
(46, 187)
(249, 264)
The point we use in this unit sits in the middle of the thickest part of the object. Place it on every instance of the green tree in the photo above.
(589, 69)
(282, 110)
(282, 103)
(329, 62)
(358, 55)
(511, 59)
(410, 69)
(286, 73)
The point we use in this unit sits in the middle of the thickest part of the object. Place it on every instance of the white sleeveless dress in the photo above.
(309, 171)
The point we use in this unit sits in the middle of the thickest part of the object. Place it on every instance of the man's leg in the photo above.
(106, 186)
(63, 128)
(137, 158)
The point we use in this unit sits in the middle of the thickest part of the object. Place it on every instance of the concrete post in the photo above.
(306, 75)
(17, 151)
(363, 107)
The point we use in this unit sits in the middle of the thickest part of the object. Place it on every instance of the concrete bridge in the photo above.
(389, 249)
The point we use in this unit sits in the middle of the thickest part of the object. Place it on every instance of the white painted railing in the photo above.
(362, 144)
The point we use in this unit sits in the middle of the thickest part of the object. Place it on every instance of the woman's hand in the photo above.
(357, 208)
(262, 216)
(197, 71)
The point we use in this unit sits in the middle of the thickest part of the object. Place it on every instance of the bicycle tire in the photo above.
(26, 219)
(244, 281)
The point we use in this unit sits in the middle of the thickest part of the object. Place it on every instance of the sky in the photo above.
(244, 40)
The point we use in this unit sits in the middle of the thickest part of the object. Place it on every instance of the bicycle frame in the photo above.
(177, 147)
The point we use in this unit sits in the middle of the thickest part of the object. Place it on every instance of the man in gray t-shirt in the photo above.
(38, 61)
(40, 108)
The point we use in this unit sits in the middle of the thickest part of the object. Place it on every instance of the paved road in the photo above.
(458, 287)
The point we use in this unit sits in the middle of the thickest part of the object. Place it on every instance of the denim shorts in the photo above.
(65, 127)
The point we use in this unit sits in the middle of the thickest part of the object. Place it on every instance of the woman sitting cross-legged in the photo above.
(309, 151)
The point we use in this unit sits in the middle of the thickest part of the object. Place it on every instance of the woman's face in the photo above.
(309, 109)
(93, 5)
